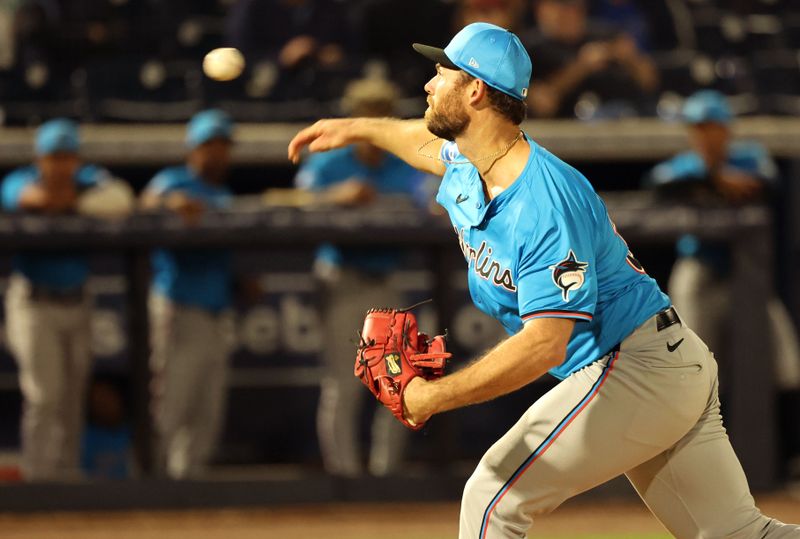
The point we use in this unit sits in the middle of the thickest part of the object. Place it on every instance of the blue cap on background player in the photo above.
(707, 106)
(488, 52)
(207, 125)
(59, 135)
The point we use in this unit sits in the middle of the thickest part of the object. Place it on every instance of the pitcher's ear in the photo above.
(477, 90)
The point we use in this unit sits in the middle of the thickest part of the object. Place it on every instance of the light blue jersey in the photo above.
(545, 247)
(750, 157)
(688, 168)
(194, 277)
(392, 176)
(57, 271)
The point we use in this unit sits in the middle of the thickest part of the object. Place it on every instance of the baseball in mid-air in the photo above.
(225, 63)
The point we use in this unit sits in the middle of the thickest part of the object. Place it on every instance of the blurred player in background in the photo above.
(300, 41)
(508, 14)
(48, 306)
(355, 279)
(638, 392)
(190, 303)
(719, 171)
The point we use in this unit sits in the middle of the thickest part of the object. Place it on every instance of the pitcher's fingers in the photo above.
(322, 143)
(296, 146)
(300, 140)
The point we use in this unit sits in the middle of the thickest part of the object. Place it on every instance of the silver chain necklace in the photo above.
(496, 154)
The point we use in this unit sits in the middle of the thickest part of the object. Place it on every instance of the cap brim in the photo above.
(435, 54)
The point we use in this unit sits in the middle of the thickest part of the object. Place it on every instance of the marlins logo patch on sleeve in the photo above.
(568, 274)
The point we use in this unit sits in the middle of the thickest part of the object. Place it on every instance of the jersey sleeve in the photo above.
(685, 167)
(315, 173)
(224, 199)
(13, 186)
(162, 183)
(766, 168)
(91, 175)
(556, 274)
(753, 158)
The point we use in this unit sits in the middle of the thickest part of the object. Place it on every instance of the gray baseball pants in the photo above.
(643, 411)
(50, 342)
(189, 361)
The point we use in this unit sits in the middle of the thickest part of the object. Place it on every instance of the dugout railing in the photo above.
(750, 405)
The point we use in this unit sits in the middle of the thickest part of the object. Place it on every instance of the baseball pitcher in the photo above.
(638, 392)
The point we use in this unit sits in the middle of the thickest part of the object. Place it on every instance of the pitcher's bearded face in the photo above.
(448, 118)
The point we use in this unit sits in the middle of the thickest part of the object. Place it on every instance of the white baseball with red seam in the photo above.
(223, 64)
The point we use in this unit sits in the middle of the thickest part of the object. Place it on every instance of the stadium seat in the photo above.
(778, 77)
(764, 32)
(265, 93)
(144, 90)
(30, 94)
(196, 35)
(685, 72)
(713, 38)
(253, 97)
(734, 75)
(792, 25)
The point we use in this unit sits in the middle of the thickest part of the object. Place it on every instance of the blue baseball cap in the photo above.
(707, 106)
(207, 125)
(488, 52)
(59, 135)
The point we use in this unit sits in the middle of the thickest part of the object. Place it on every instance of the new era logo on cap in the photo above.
(505, 64)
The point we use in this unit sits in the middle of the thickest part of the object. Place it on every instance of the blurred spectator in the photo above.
(719, 171)
(34, 31)
(508, 14)
(353, 281)
(48, 306)
(68, 34)
(624, 14)
(583, 69)
(190, 303)
(7, 45)
(107, 445)
(290, 32)
(385, 23)
(299, 37)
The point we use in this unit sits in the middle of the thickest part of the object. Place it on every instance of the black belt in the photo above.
(666, 318)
